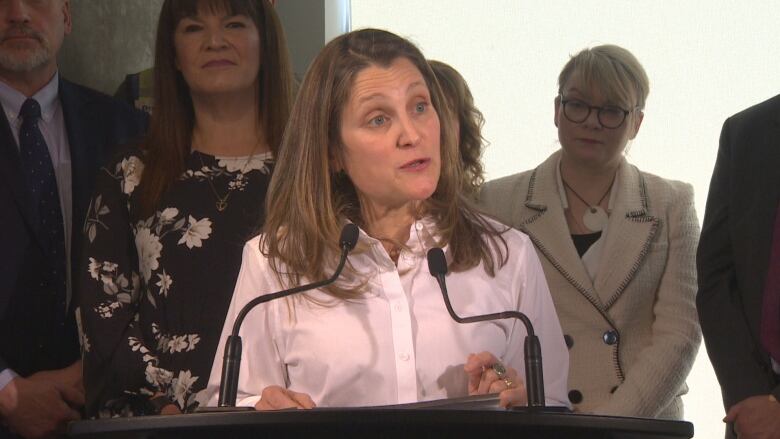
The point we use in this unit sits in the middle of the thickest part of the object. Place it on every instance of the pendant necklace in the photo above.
(222, 201)
(594, 218)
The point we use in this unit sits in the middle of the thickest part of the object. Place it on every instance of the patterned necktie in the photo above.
(770, 309)
(42, 185)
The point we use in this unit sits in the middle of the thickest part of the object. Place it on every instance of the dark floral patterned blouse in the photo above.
(153, 291)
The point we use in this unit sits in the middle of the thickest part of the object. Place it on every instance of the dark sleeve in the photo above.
(727, 335)
(130, 124)
(116, 363)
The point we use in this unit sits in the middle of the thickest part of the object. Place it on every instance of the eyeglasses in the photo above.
(578, 111)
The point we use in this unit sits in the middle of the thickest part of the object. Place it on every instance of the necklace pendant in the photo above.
(595, 219)
(221, 205)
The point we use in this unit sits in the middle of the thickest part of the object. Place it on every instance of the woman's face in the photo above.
(390, 136)
(589, 143)
(218, 53)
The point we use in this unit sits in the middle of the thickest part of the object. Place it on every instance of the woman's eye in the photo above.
(377, 121)
(577, 104)
(421, 107)
(191, 28)
(235, 25)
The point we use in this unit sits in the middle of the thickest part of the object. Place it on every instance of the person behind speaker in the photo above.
(371, 141)
(164, 231)
(54, 135)
(738, 264)
(467, 123)
(617, 244)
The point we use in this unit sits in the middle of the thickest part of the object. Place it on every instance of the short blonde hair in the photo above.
(614, 70)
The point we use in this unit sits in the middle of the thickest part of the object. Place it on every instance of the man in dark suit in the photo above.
(739, 271)
(53, 137)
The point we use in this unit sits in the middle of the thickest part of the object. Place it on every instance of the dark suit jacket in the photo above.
(35, 334)
(734, 251)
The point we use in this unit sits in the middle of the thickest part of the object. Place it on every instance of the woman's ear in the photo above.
(638, 117)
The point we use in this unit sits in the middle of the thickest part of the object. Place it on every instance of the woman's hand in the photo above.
(487, 375)
(165, 405)
(278, 398)
(170, 409)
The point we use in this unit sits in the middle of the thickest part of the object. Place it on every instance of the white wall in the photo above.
(706, 60)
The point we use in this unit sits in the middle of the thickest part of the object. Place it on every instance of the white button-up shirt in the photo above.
(396, 344)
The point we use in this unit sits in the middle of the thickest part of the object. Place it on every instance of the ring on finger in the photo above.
(508, 382)
(500, 370)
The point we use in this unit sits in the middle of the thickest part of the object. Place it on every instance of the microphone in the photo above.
(534, 379)
(231, 362)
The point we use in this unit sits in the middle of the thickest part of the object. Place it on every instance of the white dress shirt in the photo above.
(397, 344)
(592, 257)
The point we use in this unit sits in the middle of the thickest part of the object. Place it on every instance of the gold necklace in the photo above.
(222, 201)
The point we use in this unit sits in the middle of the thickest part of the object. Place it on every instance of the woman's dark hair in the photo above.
(169, 140)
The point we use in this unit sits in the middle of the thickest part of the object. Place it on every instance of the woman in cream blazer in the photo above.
(627, 305)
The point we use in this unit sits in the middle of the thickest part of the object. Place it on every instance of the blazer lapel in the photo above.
(629, 233)
(772, 159)
(74, 108)
(545, 223)
(762, 206)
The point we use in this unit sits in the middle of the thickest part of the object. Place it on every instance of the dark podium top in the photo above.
(383, 422)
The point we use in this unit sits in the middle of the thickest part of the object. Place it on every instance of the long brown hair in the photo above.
(170, 132)
(470, 120)
(308, 199)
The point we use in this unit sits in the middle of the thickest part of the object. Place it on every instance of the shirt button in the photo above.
(610, 337)
(404, 357)
(398, 307)
(418, 226)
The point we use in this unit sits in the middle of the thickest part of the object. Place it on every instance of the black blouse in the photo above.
(154, 290)
(583, 242)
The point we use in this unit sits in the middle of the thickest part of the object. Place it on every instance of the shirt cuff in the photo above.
(6, 376)
(249, 402)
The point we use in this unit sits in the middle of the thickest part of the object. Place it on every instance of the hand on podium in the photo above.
(756, 417)
(487, 375)
(278, 398)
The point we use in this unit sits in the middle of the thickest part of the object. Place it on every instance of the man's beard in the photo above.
(21, 57)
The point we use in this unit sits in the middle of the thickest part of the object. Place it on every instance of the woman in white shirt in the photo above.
(370, 142)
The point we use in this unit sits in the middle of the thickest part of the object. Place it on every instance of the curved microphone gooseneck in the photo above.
(534, 379)
(231, 362)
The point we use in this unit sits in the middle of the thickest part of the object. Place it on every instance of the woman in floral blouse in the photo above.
(165, 229)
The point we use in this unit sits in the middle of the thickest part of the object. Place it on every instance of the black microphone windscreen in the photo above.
(349, 236)
(437, 263)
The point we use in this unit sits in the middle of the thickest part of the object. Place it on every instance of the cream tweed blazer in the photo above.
(633, 331)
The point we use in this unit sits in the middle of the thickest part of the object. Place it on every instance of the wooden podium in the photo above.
(383, 422)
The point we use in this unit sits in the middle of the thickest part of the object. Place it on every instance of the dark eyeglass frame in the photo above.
(599, 111)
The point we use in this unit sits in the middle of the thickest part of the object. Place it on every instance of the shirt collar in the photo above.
(423, 235)
(12, 100)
